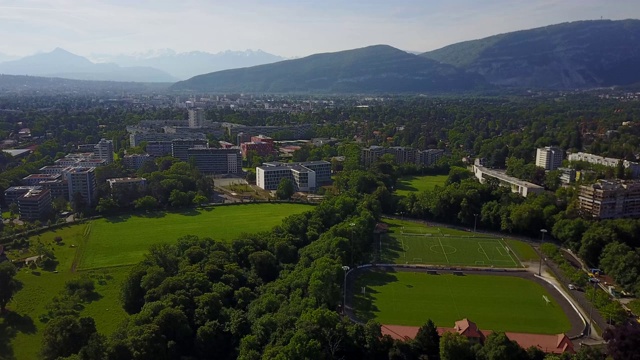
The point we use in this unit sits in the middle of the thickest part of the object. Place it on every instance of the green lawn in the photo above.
(498, 303)
(105, 249)
(116, 242)
(523, 250)
(409, 184)
(413, 243)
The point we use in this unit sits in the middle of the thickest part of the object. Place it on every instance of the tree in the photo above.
(623, 341)
(427, 341)
(454, 346)
(8, 284)
(497, 346)
(285, 189)
(200, 199)
(65, 335)
(146, 203)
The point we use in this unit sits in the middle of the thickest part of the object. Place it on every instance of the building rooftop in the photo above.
(34, 194)
(42, 176)
(500, 174)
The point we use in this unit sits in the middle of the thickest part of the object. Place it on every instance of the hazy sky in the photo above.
(288, 28)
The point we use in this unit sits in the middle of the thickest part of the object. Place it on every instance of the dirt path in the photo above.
(577, 324)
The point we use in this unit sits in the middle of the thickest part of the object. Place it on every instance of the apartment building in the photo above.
(12, 194)
(549, 158)
(159, 148)
(35, 179)
(196, 118)
(104, 151)
(180, 147)
(82, 181)
(128, 183)
(306, 176)
(216, 161)
(610, 199)
(135, 161)
(34, 204)
(601, 160)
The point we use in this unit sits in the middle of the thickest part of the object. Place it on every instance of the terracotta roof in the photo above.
(555, 344)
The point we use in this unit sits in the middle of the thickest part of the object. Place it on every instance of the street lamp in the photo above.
(344, 288)
(351, 225)
(475, 221)
(543, 231)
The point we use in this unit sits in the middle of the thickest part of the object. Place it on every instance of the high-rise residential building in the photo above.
(180, 147)
(216, 161)
(370, 155)
(549, 158)
(610, 199)
(82, 182)
(135, 161)
(12, 194)
(401, 154)
(104, 150)
(428, 157)
(35, 204)
(196, 118)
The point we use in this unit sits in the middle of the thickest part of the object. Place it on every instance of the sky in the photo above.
(289, 28)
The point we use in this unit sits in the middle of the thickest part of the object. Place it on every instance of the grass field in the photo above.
(498, 303)
(409, 184)
(105, 249)
(414, 243)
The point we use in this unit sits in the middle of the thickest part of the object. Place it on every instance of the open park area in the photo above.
(104, 250)
(415, 243)
(416, 184)
(494, 302)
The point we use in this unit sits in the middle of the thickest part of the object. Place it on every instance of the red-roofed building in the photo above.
(552, 344)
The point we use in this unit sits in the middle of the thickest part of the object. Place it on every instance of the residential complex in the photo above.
(610, 199)
(549, 158)
(516, 185)
(180, 147)
(634, 167)
(216, 161)
(135, 161)
(306, 176)
(118, 184)
(402, 155)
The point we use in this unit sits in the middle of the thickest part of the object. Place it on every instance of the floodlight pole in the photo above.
(475, 222)
(543, 231)
(344, 289)
(351, 225)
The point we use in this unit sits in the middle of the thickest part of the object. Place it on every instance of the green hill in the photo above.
(570, 55)
(374, 69)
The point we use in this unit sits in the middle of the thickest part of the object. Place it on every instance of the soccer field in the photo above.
(498, 303)
(411, 243)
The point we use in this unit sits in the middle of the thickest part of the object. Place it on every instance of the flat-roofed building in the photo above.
(104, 150)
(127, 183)
(428, 157)
(58, 188)
(516, 185)
(306, 176)
(35, 204)
(371, 154)
(196, 117)
(53, 169)
(12, 194)
(216, 161)
(180, 147)
(567, 175)
(261, 148)
(135, 161)
(549, 158)
(35, 179)
(82, 182)
(159, 148)
(402, 155)
(634, 167)
(610, 199)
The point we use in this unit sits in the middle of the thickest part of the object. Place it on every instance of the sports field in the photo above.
(104, 249)
(409, 184)
(413, 243)
(498, 303)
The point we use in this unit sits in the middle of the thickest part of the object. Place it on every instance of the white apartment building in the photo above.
(196, 118)
(82, 180)
(104, 150)
(601, 160)
(549, 158)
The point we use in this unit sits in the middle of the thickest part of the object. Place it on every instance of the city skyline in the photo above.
(285, 27)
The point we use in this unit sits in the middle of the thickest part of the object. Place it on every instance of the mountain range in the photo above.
(581, 54)
(189, 64)
(576, 55)
(63, 64)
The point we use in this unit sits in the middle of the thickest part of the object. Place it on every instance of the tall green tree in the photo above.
(285, 189)
(8, 284)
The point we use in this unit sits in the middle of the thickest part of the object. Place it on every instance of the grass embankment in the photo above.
(104, 250)
(415, 184)
(498, 303)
